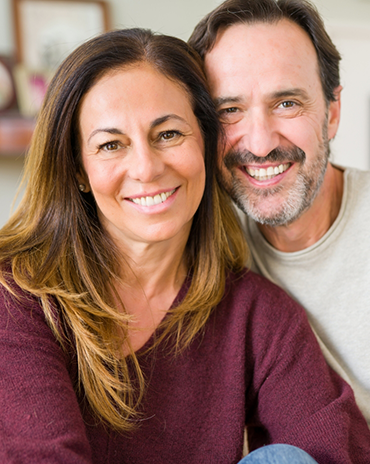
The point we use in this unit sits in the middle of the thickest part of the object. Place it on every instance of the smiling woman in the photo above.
(130, 331)
(142, 156)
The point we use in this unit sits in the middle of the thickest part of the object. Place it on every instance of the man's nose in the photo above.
(258, 133)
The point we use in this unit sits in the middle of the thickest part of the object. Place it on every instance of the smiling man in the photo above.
(274, 75)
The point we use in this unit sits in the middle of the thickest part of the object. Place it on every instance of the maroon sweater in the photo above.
(256, 363)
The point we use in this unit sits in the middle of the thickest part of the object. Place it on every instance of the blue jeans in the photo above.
(278, 454)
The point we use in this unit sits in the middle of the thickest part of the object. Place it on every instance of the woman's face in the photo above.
(142, 152)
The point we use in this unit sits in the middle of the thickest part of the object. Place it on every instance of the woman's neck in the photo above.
(154, 267)
(152, 275)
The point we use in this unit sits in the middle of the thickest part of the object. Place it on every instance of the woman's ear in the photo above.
(83, 183)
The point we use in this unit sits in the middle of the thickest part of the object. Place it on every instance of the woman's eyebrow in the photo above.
(155, 123)
(109, 130)
(162, 119)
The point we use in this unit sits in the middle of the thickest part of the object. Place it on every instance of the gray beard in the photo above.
(299, 197)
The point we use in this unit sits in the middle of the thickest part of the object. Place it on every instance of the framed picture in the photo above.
(47, 31)
(7, 85)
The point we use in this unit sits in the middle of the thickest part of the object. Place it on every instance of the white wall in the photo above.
(347, 20)
(352, 143)
(348, 23)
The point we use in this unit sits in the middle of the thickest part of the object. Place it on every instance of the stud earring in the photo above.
(82, 187)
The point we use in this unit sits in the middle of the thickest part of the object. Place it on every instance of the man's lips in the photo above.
(267, 173)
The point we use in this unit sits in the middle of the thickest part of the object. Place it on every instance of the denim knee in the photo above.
(278, 454)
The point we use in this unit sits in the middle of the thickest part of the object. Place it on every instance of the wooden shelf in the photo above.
(15, 134)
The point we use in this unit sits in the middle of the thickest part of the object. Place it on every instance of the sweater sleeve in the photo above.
(300, 400)
(40, 420)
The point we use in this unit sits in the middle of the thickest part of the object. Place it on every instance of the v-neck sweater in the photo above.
(256, 363)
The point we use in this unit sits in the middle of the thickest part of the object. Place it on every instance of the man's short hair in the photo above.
(301, 12)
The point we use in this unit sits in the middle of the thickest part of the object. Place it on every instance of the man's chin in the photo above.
(273, 214)
(267, 219)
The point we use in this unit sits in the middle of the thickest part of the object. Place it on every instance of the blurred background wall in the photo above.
(348, 22)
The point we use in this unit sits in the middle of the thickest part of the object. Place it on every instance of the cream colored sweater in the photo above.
(331, 279)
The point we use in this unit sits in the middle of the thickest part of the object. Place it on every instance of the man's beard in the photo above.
(298, 198)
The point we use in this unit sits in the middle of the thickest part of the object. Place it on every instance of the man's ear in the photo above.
(83, 183)
(334, 113)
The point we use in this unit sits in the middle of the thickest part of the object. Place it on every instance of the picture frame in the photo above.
(47, 31)
(8, 100)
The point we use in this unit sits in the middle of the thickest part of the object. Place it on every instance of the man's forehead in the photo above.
(283, 36)
(262, 50)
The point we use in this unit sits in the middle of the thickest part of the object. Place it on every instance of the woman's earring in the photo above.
(82, 187)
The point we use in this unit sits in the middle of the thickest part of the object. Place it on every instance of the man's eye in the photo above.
(230, 115)
(231, 110)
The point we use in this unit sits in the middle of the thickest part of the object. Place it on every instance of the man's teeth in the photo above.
(269, 173)
(150, 201)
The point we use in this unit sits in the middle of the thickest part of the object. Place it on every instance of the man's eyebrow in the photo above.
(295, 92)
(109, 130)
(288, 93)
(222, 100)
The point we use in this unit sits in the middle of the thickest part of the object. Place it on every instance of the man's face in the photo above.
(265, 81)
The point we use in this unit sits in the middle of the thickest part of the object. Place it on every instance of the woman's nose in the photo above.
(146, 163)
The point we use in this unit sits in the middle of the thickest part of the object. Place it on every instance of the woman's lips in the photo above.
(152, 200)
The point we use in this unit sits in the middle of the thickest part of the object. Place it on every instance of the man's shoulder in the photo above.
(354, 175)
(356, 195)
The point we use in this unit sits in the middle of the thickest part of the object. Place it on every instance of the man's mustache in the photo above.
(236, 157)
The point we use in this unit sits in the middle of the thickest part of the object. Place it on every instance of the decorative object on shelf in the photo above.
(47, 31)
(7, 88)
(31, 87)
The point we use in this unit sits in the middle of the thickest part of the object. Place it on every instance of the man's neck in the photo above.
(315, 222)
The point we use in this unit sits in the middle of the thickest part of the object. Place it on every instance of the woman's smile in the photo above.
(154, 199)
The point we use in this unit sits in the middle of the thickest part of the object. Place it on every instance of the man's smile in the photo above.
(267, 173)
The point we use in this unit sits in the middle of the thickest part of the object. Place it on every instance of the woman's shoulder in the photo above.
(248, 283)
(19, 310)
(10, 291)
(268, 317)
(256, 296)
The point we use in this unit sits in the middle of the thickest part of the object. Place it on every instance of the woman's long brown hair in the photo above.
(56, 249)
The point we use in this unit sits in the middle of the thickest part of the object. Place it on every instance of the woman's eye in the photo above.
(287, 104)
(110, 146)
(169, 135)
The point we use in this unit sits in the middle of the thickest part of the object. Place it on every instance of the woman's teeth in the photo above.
(269, 173)
(150, 201)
